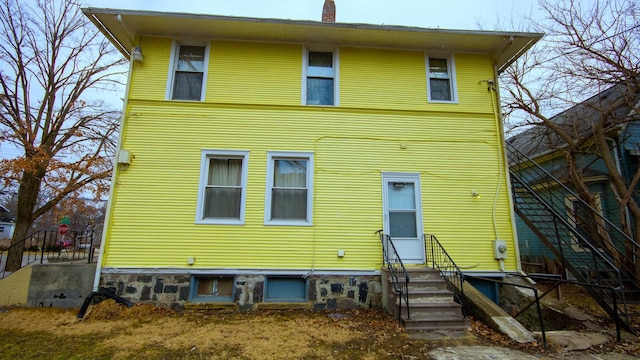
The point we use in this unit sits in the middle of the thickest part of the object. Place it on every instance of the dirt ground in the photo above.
(111, 331)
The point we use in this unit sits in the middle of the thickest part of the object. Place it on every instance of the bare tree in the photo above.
(588, 49)
(49, 60)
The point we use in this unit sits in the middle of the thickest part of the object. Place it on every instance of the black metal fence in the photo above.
(49, 246)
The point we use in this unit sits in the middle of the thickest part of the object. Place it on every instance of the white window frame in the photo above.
(569, 201)
(204, 171)
(336, 74)
(276, 155)
(451, 69)
(173, 63)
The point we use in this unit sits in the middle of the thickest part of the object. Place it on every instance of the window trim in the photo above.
(173, 63)
(569, 201)
(451, 69)
(204, 167)
(275, 155)
(195, 297)
(336, 74)
(269, 279)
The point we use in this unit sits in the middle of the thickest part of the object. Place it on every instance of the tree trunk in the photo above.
(14, 255)
(618, 182)
(27, 199)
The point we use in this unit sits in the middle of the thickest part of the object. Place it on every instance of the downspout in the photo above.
(112, 189)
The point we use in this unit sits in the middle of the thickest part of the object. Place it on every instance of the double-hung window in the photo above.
(320, 85)
(223, 185)
(441, 80)
(188, 72)
(582, 220)
(289, 188)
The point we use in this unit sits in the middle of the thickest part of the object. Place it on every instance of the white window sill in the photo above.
(288, 223)
(443, 102)
(219, 222)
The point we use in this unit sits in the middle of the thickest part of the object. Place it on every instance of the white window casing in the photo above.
(185, 71)
(329, 75)
(289, 188)
(441, 78)
(222, 192)
(572, 205)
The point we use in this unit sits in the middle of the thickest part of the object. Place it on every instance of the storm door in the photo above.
(403, 216)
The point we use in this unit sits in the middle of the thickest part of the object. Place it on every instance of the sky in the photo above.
(504, 15)
(451, 14)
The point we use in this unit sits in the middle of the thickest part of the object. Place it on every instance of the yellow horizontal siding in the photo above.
(472, 73)
(149, 79)
(271, 74)
(374, 78)
(152, 223)
(254, 73)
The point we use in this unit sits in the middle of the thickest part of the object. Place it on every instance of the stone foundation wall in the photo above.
(327, 292)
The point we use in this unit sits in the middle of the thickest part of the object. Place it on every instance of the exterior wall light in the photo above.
(475, 194)
(136, 54)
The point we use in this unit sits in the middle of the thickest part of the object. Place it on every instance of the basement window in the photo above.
(212, 288)
(285, 289)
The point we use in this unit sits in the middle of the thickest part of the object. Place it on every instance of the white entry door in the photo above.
(403, 216)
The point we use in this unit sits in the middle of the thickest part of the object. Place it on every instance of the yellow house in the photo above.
(258, 158)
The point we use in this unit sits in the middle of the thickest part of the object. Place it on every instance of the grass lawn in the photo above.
(111, 331)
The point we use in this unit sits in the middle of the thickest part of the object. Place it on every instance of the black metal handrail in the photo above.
(48, 246)
(397, 271)
(614, 317)
(588, 263)
(595, 227)
(536, 301)
(441, 261)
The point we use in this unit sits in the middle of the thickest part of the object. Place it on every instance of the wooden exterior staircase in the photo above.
(431, 303)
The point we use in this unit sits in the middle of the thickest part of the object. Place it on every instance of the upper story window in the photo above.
(441, 79)
(188, 72)
(320, 85)
(223, 187)
(289, 188)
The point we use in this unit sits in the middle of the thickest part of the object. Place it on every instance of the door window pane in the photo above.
(401, 195)
(402, 224)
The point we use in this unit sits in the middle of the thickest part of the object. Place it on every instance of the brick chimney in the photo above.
(329, 11)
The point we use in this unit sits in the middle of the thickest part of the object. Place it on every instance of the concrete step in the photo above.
(449, 308)
(427, 284)
(430, 295)
(423, 273)
(431, 323)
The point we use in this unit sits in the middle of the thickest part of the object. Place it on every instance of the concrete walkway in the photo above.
(574, 344)
(500, 353)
